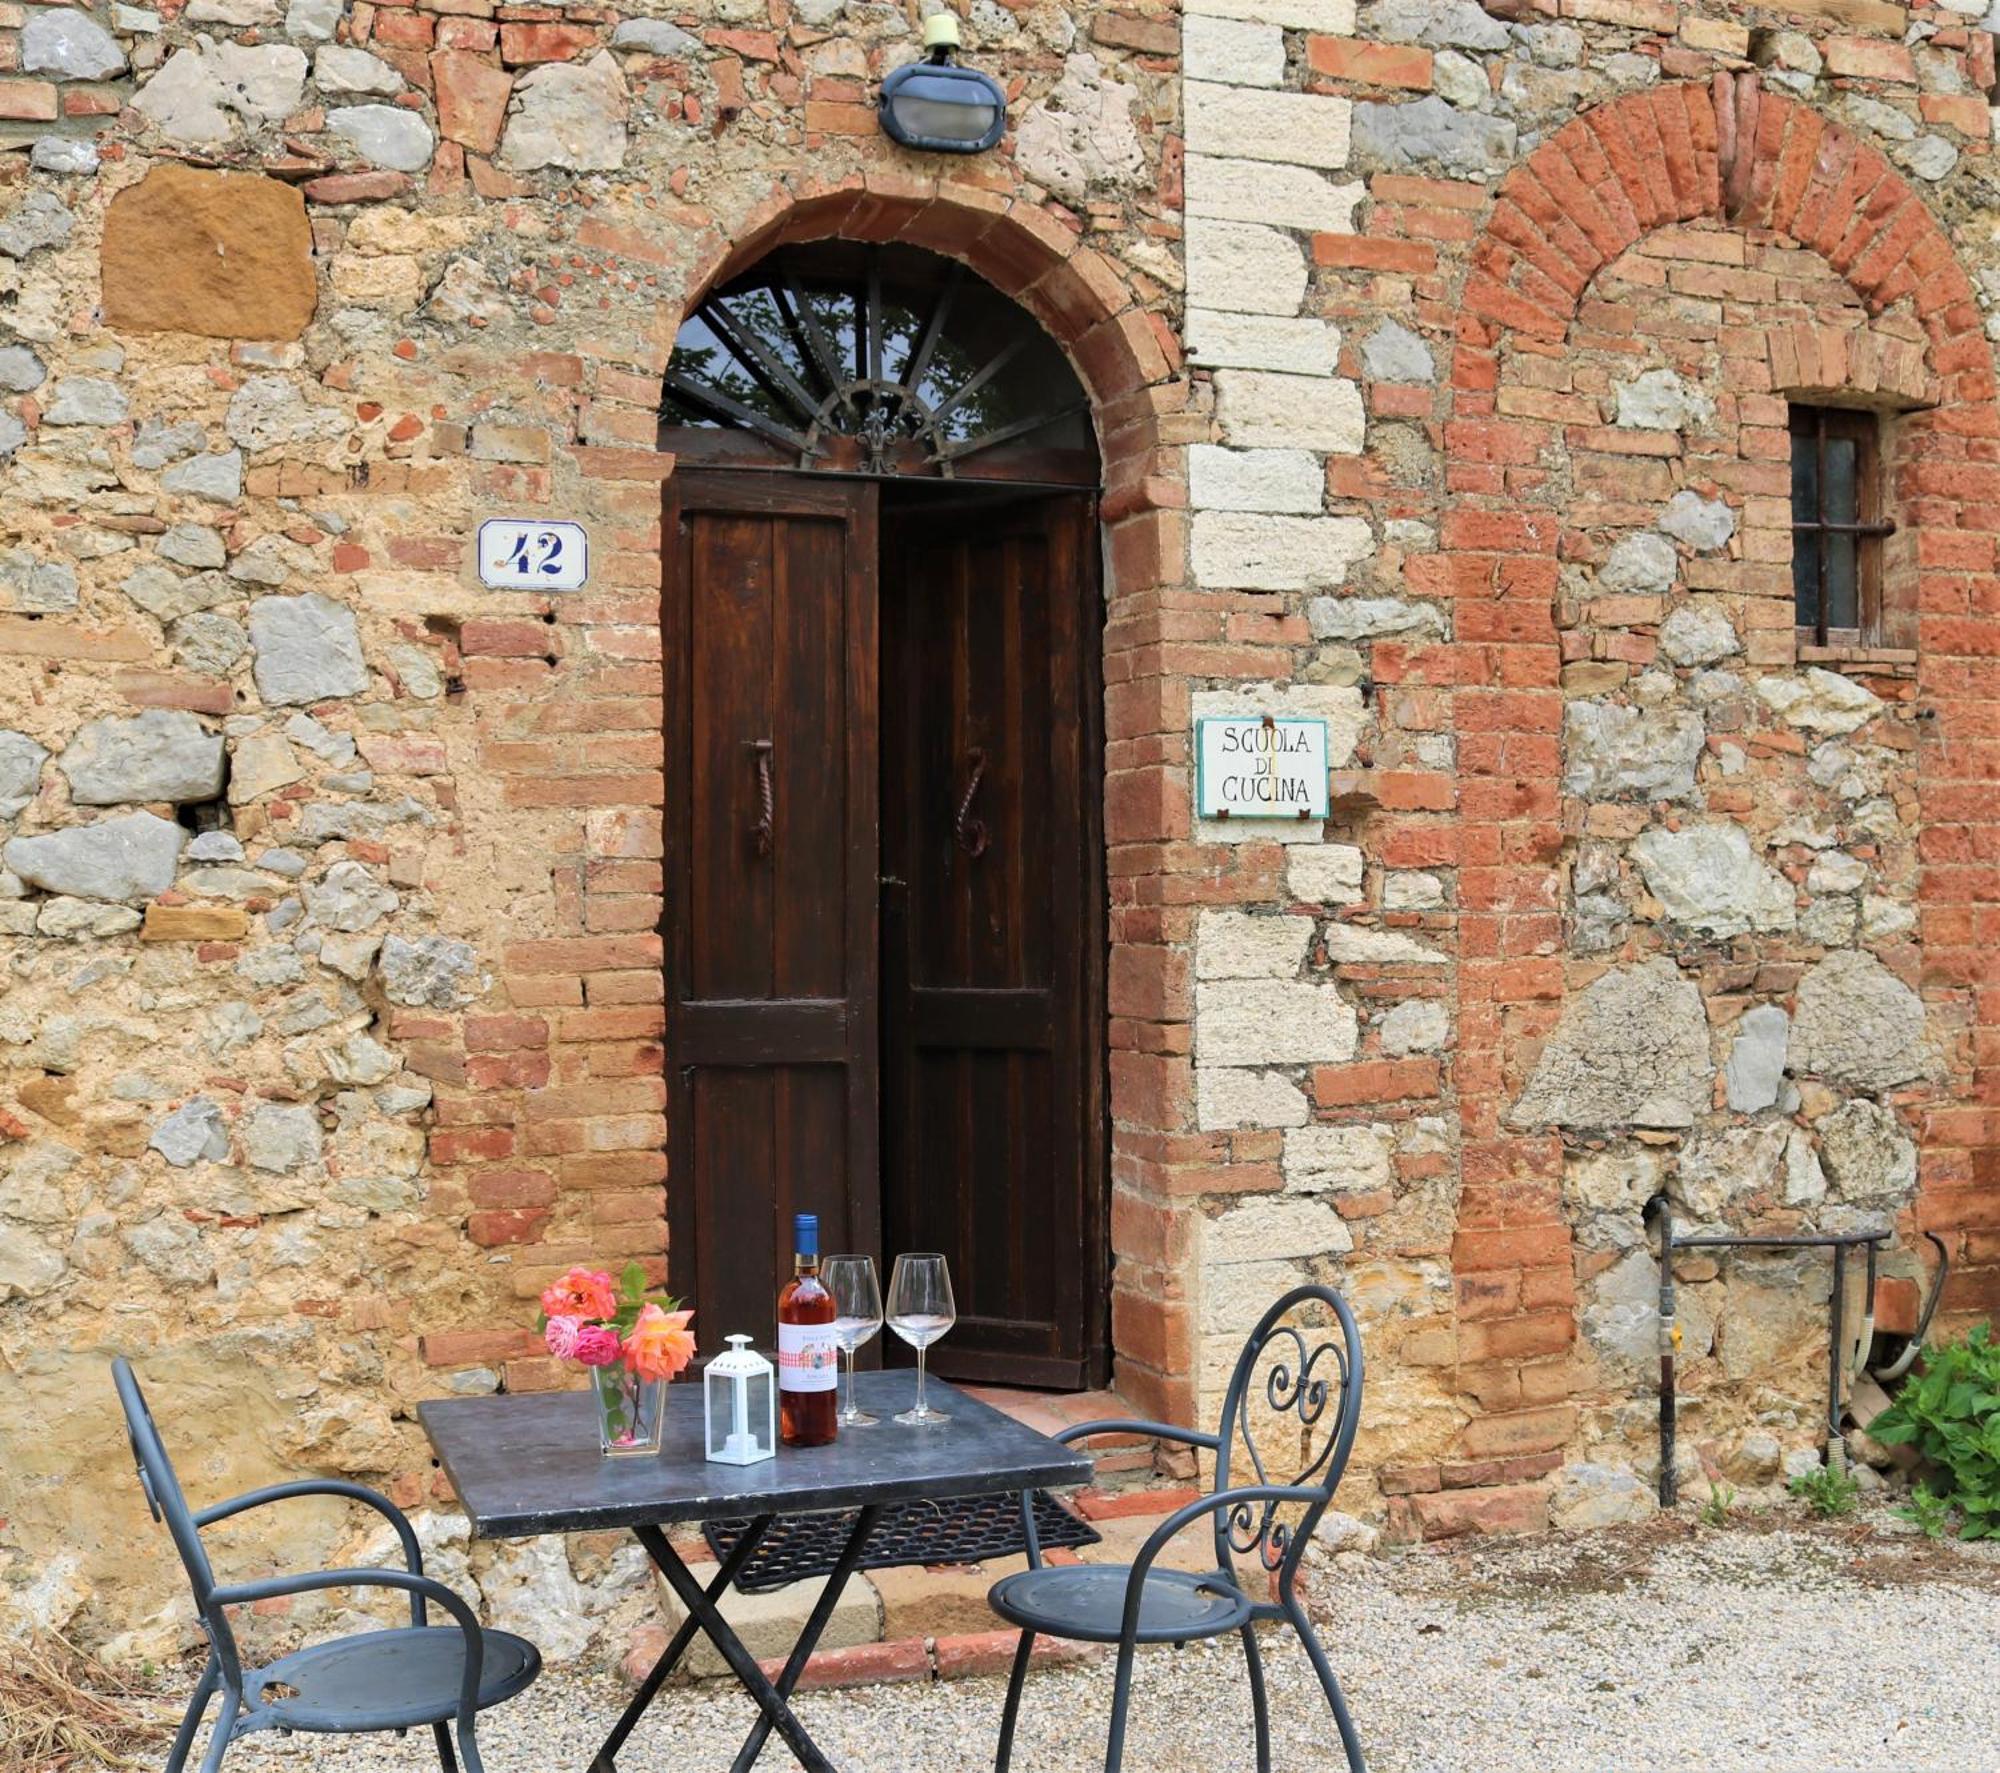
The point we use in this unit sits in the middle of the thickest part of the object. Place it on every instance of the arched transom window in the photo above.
(880, 360)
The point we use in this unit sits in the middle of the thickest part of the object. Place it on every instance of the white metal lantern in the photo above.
(741, 1391)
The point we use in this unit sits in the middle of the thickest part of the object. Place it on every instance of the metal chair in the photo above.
(378, 1680)
(1317, 1410)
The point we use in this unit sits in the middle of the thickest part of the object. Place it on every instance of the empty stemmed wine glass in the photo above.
(920, 1311)
(857, 1305)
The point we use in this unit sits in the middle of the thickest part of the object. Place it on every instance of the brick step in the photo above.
(960, 1656)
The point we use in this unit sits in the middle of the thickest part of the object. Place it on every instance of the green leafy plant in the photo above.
(1721, 1499)
(1950, 1413)
(1930, 1512)
(1828, 1493)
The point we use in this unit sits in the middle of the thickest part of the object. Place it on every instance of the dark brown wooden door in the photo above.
(993, 1127)
(772, 941)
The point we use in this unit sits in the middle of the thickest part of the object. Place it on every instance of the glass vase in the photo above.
(630, 1411)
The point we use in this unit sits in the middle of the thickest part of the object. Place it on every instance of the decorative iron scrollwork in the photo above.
(899, 351)
(1301, 1377)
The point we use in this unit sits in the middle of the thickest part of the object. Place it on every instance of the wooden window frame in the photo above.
(1812, 427)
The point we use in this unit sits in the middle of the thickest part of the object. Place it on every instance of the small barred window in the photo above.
(1838, 524)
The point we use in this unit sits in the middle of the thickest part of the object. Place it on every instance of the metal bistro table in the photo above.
(529, 1464)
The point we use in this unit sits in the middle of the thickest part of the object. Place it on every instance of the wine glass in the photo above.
(857, 1305)
(920, 1311)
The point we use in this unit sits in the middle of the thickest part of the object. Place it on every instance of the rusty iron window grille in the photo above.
(1838, 525)
(872, 359)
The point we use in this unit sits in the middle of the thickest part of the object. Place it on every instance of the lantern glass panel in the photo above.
(740, 1406)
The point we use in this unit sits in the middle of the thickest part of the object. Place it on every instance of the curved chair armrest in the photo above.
(1156, 1541)
(1164, 1431)
(1159, 1431)
(413, 1557)
(420, 1588)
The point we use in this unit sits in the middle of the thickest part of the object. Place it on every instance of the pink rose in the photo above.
(596, 1345)
(561, 1337)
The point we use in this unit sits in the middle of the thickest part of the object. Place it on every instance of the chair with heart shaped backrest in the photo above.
(397, 1679)
(1291, 1410)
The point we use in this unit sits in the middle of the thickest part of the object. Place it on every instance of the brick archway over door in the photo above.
(1119, 349)
(1130, 362)
(1732, 153)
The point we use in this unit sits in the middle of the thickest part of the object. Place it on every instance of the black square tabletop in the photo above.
(529, 1463)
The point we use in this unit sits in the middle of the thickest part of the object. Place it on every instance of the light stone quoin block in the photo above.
(1239, 265)
(1235, 1293)
(1247, 551)
(1277, 1225)
(1254, 479)
(1259, 409)
(1233, 945)
(1358, 944)
(1271, 1022)
(1262, 341)
(1326, 874)
(1236, 52)
(1262, 191)
(1336, 1159)
(1297, 128)
(1334, 17)
(1226, 1097)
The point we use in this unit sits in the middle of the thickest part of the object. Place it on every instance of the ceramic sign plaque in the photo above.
(1260, 767)
(516, 554)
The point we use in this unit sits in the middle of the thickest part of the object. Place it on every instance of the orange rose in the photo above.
(660, 1344)
(585, 1293)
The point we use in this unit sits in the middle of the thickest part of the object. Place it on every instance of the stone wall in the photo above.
(1651, 874)
(332, 1005)
(332, 998)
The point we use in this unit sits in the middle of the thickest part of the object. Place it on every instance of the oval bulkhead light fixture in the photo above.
(938, 106)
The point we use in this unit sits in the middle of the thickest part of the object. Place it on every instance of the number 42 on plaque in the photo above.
(516, 554)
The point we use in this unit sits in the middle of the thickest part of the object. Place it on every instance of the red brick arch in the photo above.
(1120, 349)
(1732, 152)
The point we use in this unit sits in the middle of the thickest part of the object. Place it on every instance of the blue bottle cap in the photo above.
(805, 1233)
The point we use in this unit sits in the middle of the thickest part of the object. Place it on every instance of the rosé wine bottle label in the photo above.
(808, 1357)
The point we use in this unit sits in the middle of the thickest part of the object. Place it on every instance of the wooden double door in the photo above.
(884, 902)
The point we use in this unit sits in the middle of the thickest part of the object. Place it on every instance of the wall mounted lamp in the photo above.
(936, 105)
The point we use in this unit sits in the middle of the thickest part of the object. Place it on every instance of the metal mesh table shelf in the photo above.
(956, 1530)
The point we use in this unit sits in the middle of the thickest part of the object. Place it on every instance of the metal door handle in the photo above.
(760, 833)
(970, 832)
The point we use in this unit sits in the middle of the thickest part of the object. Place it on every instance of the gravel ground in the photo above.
(1756, 1648)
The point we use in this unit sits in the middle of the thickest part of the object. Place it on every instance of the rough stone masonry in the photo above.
(1440, 358)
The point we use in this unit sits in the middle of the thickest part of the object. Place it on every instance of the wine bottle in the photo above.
(808, 1354)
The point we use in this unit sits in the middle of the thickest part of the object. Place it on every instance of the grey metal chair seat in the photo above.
(1087, 1602)
(1295, 1398)
(389, 1680)
(409, 1677)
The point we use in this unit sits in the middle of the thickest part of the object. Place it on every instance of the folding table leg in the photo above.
(739, 1555)
(816, 1623)
(702, 1609)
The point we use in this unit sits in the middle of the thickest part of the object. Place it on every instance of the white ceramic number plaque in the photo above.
(1252, 766)
(518, 555)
